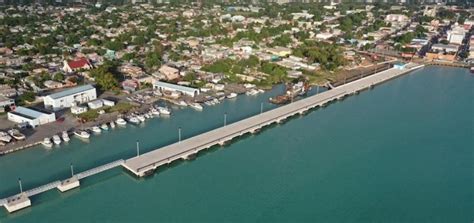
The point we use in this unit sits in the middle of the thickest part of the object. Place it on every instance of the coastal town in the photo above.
(89, 66)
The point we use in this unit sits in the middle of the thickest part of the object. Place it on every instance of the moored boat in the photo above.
(56, 140)
(231, 95)
(96, 129)
(47, 142)
(472, 69)
(82, 134)
(141, 118)
(164, 111)
(104, 126)
(196, 106)
(65, 136)
(121, 121)
(133, 120)
(112, 124)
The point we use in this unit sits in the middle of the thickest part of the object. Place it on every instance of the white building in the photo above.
(30, 116)
(78, 109)
(70, 97)
(163, 86)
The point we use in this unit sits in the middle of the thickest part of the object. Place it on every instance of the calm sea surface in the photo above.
(401, 152)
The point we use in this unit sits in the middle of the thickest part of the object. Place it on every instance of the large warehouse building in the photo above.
(70, 97)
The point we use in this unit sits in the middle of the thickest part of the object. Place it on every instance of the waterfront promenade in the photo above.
(148, 162)
(145, 164)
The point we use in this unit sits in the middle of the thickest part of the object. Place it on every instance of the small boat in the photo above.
(65, 137)
(472, 69)
(104, 126)
(56, 140)
(148, 115)
(112, 124)
(164, 111)
(231, 95)
(196, 106)
(260, 91)
(215, 101)
(47, 142)
(82, 134)
(155, 112)
(96, 129)
(134, 120)
(16, 134)
(182, 103)
(5, 137)
(121, 121)
(141, 118)
(252, 92)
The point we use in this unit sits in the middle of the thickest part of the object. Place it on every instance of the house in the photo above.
(130, 85)
(70, 97)
(31, 116)
(81, 63)
(6, 104)
(95, 104)
(163, 86)
(170, 73)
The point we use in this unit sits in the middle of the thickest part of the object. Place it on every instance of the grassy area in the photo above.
(122, 107)
(88, 116)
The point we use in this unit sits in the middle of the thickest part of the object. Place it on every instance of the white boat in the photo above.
(215, 101)
(196, 106)
(5, 137)
(121, 121)
(133, 120)
(15, 133)
(47, 142)
(65, 137)
(231, 95)
(96, 129)
(82, 134)
(112, 124)
(104, 126)
(182, 103)
(155, 112)
(261, 91)
(141, 118)
(164, 111)
(252, 92)
(56, 140)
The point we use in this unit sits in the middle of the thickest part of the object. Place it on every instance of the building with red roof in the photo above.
(78, 64)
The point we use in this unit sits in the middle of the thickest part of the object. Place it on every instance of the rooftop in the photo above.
(27, 112)
(175, 86)
(71, 91)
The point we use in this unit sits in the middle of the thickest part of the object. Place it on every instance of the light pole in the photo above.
(138, 148)
(72, 170)
(225, 119)
(19, 182)
(179, 135)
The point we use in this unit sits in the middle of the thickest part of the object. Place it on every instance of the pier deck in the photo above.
(142, 164)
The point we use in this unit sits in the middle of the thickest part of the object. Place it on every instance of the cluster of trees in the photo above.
(406, 38)
(329, 56)
(106, 76)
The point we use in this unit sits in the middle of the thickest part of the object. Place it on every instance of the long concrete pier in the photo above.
(148, 162)
(145, 164)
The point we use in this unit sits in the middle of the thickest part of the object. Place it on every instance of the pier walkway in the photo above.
(146, 163)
